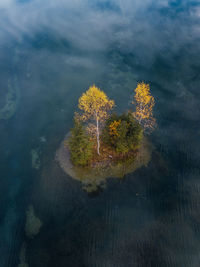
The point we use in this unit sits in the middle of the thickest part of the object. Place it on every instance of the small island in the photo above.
(103, 144)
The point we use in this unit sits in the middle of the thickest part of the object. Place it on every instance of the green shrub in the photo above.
(122, 132)
(80, 145)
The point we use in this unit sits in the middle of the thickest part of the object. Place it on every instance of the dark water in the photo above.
(51, 52)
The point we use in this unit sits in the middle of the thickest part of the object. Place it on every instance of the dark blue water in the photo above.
(51, 52)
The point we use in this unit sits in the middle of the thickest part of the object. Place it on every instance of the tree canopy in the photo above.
(80, 144)
(122, 132)
(144, 103)
(120, 135)
(95, 106)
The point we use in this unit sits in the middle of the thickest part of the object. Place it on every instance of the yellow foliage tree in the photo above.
(113, 128)
(95, 106)
(144, 103)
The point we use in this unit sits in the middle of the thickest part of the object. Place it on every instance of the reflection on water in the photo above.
(50, 52)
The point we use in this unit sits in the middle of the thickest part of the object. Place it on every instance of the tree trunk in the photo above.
(98, 142)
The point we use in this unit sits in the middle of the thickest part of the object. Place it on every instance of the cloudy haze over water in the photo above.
(97, 24)
(144, 28)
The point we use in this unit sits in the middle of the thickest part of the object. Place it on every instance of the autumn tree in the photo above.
(113, 129)
(144, 103)
(122, 133)
(95, 106)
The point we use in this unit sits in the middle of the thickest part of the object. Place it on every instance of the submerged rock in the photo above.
(22, 257)
(11, 101)
(35, 158)
(94, 177)
(43, 139)
(33, 223)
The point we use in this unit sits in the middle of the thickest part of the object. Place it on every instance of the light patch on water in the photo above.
(43, 139)
(11, 101)
(35, 158)
(22, 256)
(33, 223)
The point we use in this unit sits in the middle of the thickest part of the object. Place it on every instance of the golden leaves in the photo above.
(113, 128)
(144, 103)
(95, 104)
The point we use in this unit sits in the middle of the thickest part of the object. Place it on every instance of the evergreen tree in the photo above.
(80, 145)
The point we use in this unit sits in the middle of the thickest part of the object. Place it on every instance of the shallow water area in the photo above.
(94, 178)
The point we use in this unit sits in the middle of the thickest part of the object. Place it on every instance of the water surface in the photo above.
(51, 52)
